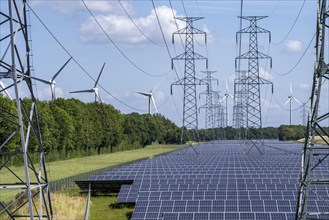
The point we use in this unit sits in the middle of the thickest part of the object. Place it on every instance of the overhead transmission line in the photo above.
(293, 25)
(116, 46)
(164, 39)
(300, 59)
(79, 65)
(132, 20)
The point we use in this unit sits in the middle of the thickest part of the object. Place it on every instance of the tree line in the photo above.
(72, 128)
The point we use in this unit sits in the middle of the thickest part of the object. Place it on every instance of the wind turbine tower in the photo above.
(290, 98)
(52, 82)
(94, 89)
(226, 96)
(151, 98)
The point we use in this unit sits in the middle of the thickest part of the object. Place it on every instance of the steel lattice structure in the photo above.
(219, 119)
(240, 98)
(189, 82)
(314, 175)
(26, 191)
(209, 106)
(252, 83)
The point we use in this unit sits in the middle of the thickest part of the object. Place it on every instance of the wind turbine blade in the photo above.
(155, 107)
(223, 99)
(144, 93)
(2, 86)
(226, 86)
(38, 79)
(99, 76)
(290, 89)
(156, 87)
(83, 91)
(60, 70)
(287, 101)
(297, 100)
(97, 96)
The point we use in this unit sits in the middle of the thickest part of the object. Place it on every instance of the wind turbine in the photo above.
(226, 96)
(52, 82)
(150, 97)
(94, 89)
(290, 98)
(4, 89)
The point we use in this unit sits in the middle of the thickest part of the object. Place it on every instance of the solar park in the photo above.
(220, 182)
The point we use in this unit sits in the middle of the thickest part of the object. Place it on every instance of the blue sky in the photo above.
(77, 31)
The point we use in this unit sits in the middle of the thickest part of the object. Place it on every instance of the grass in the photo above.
(65, 168)
(105, 207)
(317, 140)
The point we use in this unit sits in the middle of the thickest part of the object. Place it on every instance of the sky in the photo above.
(129, 40)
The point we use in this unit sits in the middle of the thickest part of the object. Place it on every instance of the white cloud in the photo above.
(264, 74)
(46, 93)
(122, 30)
(304, 86)
(292, 46)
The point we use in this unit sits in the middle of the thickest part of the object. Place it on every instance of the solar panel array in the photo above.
(218, 183)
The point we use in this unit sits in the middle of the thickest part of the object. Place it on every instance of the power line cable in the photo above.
(300, 59)
(132, 20)
(184, 8)
(79, 65)
(293, 25)
(116, 46)
(163, 36)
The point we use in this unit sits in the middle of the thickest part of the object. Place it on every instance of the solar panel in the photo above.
(218, 183)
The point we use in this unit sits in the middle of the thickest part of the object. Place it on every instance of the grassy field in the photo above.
(65, 168)
(317, 140)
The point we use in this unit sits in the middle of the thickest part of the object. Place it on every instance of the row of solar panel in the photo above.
(211, 205)
(214, 216)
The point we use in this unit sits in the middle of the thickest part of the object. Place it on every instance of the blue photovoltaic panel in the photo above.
(218, 183)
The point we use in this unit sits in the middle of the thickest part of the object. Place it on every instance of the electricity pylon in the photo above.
(189, 82)
(240, 100)
(219, 116)
(27, 187)
(252, 83)
(209, 106)
(304, 113)
(314, 177)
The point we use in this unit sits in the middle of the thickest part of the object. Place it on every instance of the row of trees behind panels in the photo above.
(71, 128)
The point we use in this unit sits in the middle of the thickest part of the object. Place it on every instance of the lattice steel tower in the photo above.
(219, 116)
(240, 100)
(253, 82)
(27, 188)
(209, 106)
(189, 82)
(314, 176)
